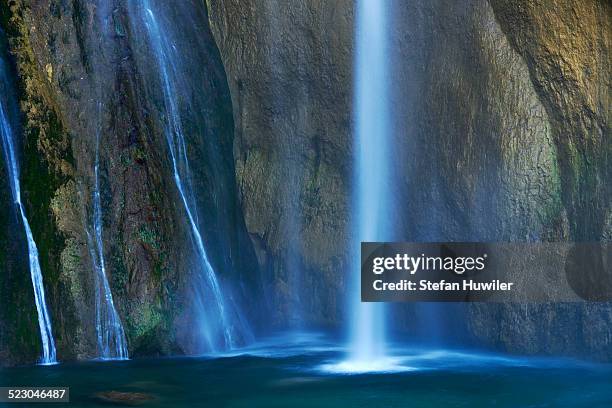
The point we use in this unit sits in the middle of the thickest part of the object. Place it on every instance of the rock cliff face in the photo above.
(14, 328)
(566, 47)
(289, 71)
(492, 143)
(78, 78)
(501, 132)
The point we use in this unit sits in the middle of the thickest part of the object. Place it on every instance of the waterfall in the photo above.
(218, 331)
(112, 344)
(10, 157)
(371, 171)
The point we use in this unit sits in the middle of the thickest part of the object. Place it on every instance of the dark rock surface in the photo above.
(289, 71)
(501, 132)
(480, 148)
(78, 76)
(15, 340)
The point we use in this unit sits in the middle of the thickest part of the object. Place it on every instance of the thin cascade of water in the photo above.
(112, 344)
(166, 55)
(10, 156)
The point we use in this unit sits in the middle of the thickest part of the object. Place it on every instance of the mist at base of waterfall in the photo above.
(293, 370)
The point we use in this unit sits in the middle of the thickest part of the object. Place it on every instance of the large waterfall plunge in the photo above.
(222, 326)
(10, 157)
(372, 175)
(111, 337)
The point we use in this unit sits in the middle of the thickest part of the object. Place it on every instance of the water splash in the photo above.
(112, 344)
(216, 313)
(10, 156)
(372, 153)
(410, 359)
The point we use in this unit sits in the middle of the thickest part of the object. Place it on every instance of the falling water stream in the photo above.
(110, 335)
(10, 157)
(372, 148)
(167, 57)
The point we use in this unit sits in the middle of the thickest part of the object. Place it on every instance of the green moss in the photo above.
(118, 25)
(46, 166)
(71, 262)
(550, 213)
(138, 154)
(64, 205)
(118, 269)
(160, 268)
(143, 318)
(125, 158)
(148, 237)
